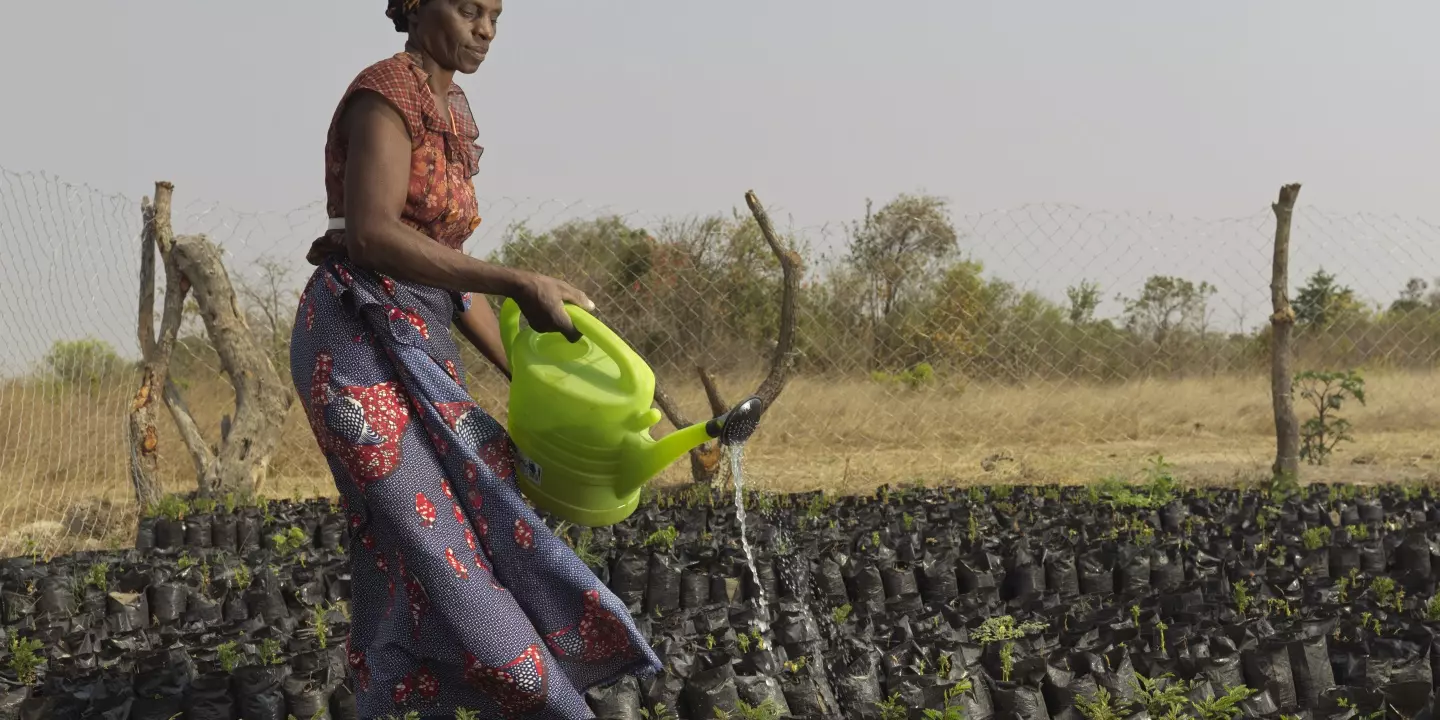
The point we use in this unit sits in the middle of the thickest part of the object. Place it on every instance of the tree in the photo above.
(1168, 305)
(900, 248)
(85, 363)
(1322, 302)
(1084, 299)
(1412, 298)
(270, 300)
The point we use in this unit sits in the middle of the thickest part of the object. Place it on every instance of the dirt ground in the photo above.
(64, 459)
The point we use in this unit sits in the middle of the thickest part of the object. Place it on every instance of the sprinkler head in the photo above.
(736, 426)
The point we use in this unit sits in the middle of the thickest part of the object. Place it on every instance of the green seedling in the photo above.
(972, 529)
(270, 650)
(318, 623)
(842, 613)
(228, 653)
(185, 562)
(891, 709)
(25, 659)
(1003, 629)
(1358, 531)
(952, 709)
(1242, 597)
(908, 521)
(709, 642)
(1315, 538)
(291, 542)
(1164, 696)
(1326, 392)
(1432, 609)
(1223, 707)
(1135, 614)
(1384, 589)
(663, 539)
(795, 666)
(768, 710)
(661, 711)
(1280, 606)
(1161, 627)
(744, 642)
(1099, 706)
(1343, 585)
(97, 576)
(170, 507)
(204, 505)
(243, 577)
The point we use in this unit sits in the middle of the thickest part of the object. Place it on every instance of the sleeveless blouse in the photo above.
(440, 201)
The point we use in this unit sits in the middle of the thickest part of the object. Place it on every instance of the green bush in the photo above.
(85, 363)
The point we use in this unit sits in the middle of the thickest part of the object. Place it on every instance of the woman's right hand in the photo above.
(542, 301)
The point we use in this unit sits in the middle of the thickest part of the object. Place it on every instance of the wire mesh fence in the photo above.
(1044, 343)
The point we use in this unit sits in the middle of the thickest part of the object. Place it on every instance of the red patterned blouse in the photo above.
(441, 200)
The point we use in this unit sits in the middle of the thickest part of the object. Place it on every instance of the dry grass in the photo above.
(60, 447)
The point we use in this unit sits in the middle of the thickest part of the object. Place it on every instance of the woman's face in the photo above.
(456, 34)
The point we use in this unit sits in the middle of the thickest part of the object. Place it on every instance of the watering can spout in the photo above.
(733, 428)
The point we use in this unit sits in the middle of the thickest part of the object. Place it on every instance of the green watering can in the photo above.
(580, 416)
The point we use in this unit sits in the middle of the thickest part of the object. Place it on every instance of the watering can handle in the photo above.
(591, 328)
(509, 327)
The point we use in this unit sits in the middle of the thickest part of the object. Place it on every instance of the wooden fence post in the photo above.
(1282, 324)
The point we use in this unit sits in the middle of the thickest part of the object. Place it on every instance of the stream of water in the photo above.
(737, 454)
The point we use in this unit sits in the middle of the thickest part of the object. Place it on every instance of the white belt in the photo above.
(336, 224)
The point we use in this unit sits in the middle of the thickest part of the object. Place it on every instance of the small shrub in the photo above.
(228, 653)
(1315, 538)
(1223, 707)
(98, 577)
(891, 708)
(1242, 597)
(242, 577)
(25, 659)
(1099, 706)
(768, 710)
(952, 709)
(915, 378)
(170, 507)
(661, 711)
(85, 363)
(1384, 589)
(1326, 393)
(663, 539)
(270, 652)
(291, 542)
(1003, 629)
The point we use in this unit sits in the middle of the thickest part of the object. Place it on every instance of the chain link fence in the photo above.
(1045, 343)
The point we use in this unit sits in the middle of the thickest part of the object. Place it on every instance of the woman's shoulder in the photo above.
(394, 74)
(395, 80)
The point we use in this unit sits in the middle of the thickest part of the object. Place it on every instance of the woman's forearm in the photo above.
(482, 329)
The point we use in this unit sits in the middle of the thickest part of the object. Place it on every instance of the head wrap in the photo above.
(397, 10)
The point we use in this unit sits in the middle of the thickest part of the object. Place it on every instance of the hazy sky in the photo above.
(660, 106)
(1194, 108)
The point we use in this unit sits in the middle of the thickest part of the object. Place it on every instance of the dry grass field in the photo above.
(63, 451)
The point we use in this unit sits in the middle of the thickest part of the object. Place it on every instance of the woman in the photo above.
(461, 597)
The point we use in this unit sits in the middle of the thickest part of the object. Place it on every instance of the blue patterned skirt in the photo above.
(461, 596)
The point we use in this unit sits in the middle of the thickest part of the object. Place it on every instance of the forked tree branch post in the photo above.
(705, 460)
(1282, 323)
(239, 462)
